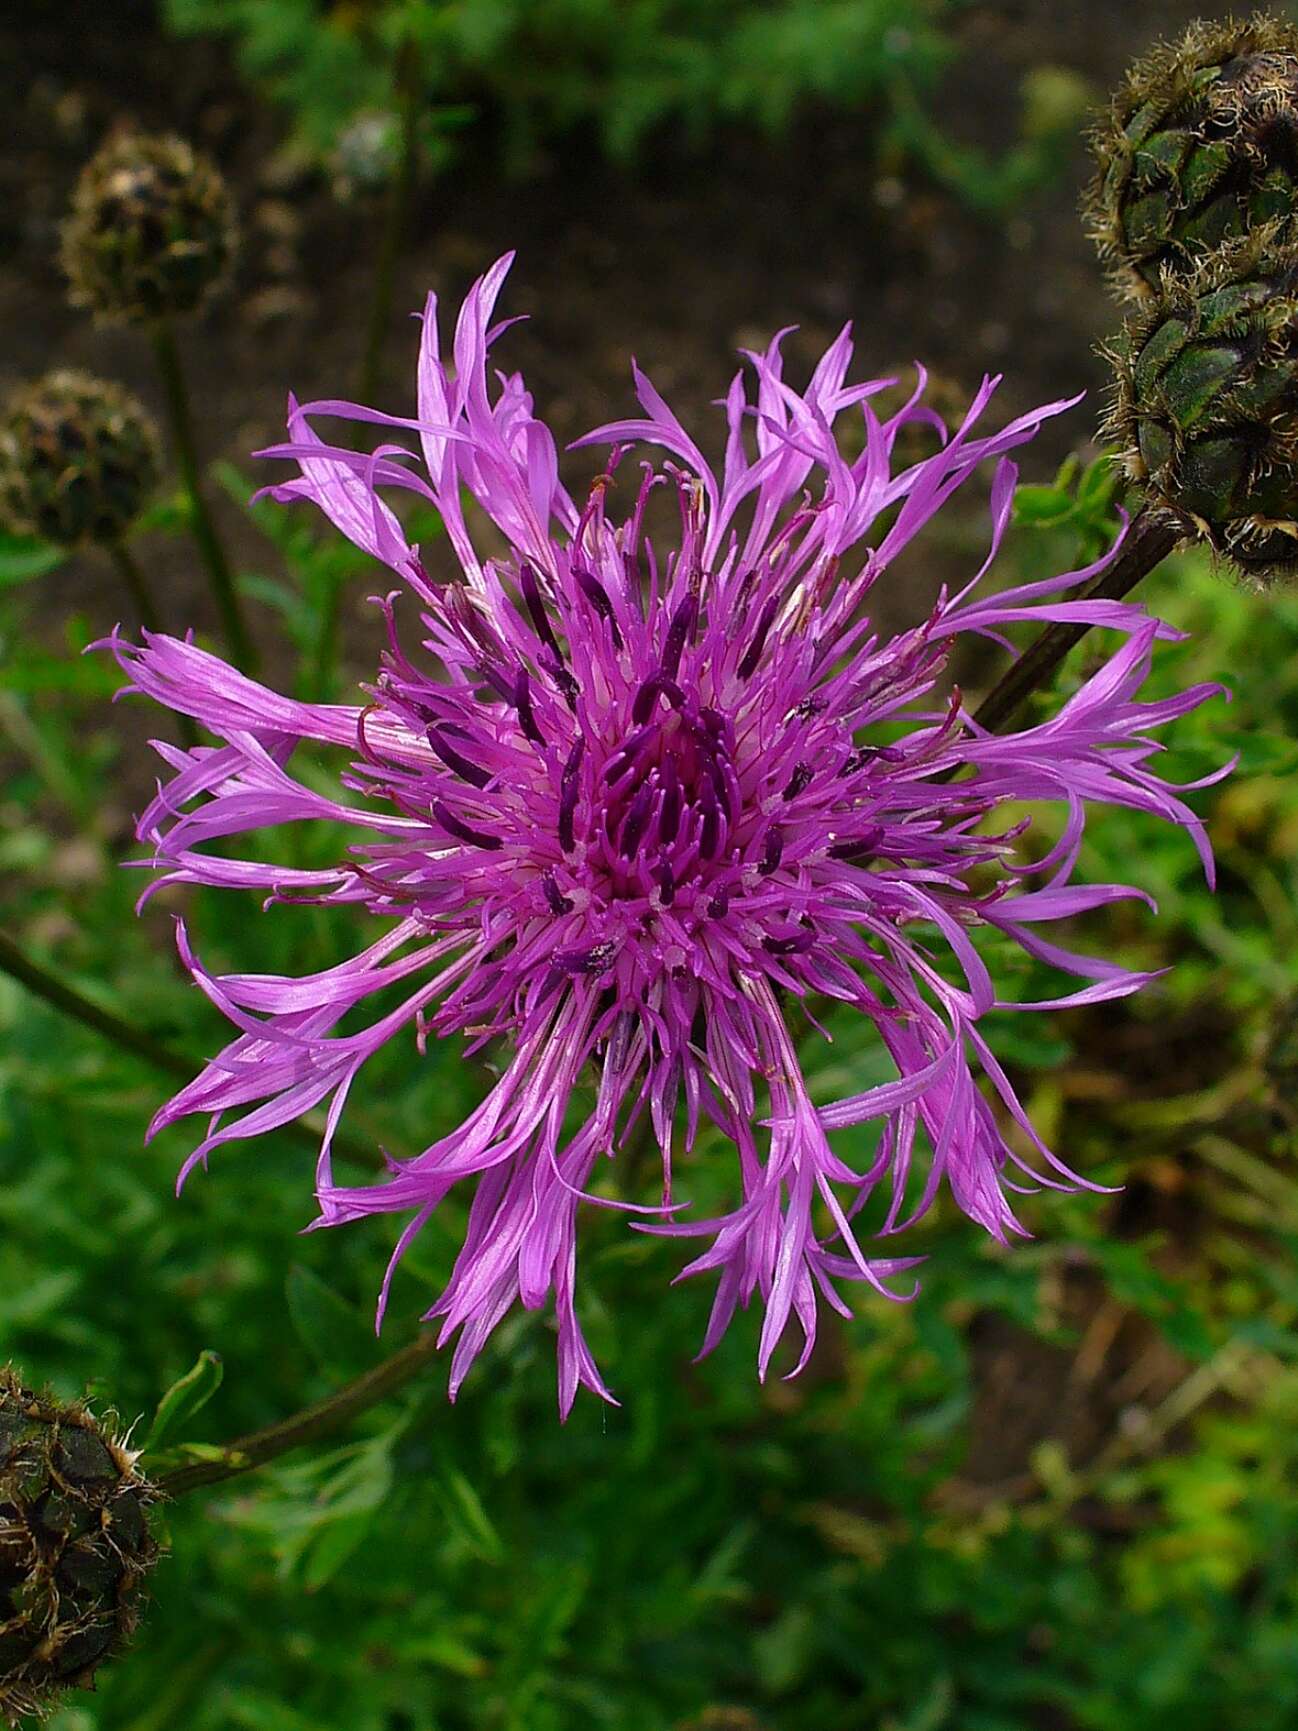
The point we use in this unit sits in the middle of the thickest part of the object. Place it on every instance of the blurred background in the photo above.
(1056, 1494)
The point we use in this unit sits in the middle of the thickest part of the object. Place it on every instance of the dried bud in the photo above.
(79, 459)
(151, 231)
(1207, 403)
(75, 1547)
(1200, 146)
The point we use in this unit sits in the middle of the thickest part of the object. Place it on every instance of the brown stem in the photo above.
(209, 542)
(1148, 542)
(313, 1422)
(70, 1002)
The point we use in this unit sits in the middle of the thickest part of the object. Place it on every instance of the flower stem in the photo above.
(209, 542)
(43, 984)
(313, 1422)
(146, 608)
(1148, 542)
(405, 79)
(136, 585)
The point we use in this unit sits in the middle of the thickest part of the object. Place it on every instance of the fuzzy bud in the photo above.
(1207, 404)
(75, 1547)
(1199, 147)
(79, 459)
(151, 231)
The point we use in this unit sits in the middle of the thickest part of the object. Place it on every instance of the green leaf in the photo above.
(336, 1334)
(186, 1397)
(23, 557)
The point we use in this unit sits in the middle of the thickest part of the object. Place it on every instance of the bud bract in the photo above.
(75, 1547)
(1207, 403)
(1199, 146)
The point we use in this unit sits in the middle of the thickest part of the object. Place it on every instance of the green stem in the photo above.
(209, 542)
(136, 585)
(400, 195)
(41, 983)
(141, 592)
(313, 1422)
(1148, 542)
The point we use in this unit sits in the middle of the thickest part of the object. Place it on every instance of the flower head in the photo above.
(629, 803)
(79, 459)
(152, 229)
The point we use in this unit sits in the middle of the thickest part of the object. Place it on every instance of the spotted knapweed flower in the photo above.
(628, 805)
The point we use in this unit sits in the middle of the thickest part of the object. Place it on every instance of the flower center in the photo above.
(668, 798)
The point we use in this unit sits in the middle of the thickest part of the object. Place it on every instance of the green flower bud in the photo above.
(1200, 146)
(1207, 403)
(75, 1547)
(79, 460)
(151, 231)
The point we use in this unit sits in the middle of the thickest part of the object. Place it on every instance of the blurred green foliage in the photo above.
(1058, 1490)
(628, 71)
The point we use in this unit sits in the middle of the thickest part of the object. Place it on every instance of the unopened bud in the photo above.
(1207, 404)
(75, 1547)
(151, 230)
(79, 459)
(1199, 147)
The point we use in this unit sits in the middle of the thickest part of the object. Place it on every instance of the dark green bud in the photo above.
(1199, 147)
(79, 460)
(1207, 404)
(75, 1547)
(151, 232)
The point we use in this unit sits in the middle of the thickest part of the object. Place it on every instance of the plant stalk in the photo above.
(209, 542)
(313, 1422)
(41, 983)
(401, 192)
(140, 590)
(1148, 542)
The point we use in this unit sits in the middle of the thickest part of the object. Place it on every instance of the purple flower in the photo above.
(627, 803)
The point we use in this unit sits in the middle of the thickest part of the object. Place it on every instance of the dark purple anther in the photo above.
(637, 820)
(558, 902)
(592, 961)
(799, 781)
(719, 906)
(752, 655)
(773, 852)
(531, 593)
(669, 819)
(710, 830)
(658, 685)
(662, 876)
(567, 685)
(624, 758)
(461, 766)
(522, 696)
(597, 595)
(682, 624)
(791, 946)
(568, 790)
(456, 827)
(861, 848)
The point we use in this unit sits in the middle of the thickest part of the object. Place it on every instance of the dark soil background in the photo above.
(678, 261)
